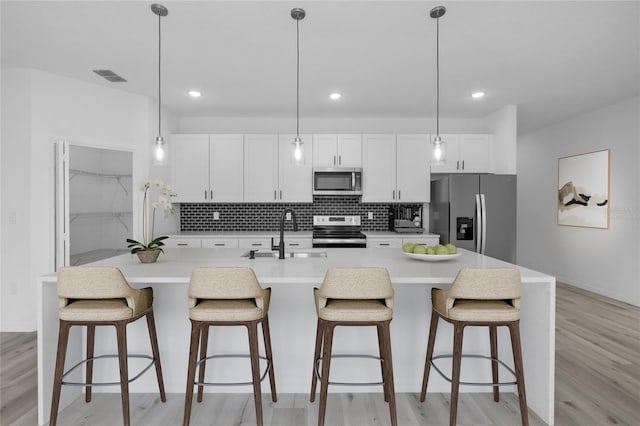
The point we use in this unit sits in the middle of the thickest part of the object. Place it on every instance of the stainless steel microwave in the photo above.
(337, 181)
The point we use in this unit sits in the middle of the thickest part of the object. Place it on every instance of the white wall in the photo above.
(606, 261)
(38, 109)
(328, 125)
(503, 126)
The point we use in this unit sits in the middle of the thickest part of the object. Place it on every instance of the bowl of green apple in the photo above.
(435, 253)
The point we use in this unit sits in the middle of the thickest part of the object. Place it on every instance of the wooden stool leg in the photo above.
(121, 331)
(383, 357)
(316, 357)
(191, 370)
(91, 338)
(326, 363)
(153, 337)
(433, 328)
(388, 369)
(493, 337)
(514, 329)
(266, 335)
(252, 327)
(458, 331)
(204, 342)
(63, 339)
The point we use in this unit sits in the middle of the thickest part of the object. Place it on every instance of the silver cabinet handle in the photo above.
(205, 194)
(281, 194)
(462, 164)
(211, 192)
(458, 165)
(256, 244)
(394, 194)
(384, 244)
(339, 160)
(334, 160)
(182, 244)
(293, 244)
(219, 244)
(399, 194)
(275, 196)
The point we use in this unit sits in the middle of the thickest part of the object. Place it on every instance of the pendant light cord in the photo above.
(438, 77)
(159, 75)
(297, 78)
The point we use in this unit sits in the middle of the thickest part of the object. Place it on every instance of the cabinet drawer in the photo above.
(295, 243)
(424, 241)
(384, 242)
(219, 243)
(183, 243)
(253, 243)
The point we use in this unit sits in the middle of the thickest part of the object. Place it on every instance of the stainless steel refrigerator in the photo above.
(476, 212)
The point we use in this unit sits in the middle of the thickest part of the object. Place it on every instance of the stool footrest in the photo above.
(264, 375)
(448, 379)
(84, 361)
(317, 368)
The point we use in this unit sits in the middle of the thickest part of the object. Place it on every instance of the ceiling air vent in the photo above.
(110, 75)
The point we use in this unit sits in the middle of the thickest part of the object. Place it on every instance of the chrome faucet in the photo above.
(280, 247)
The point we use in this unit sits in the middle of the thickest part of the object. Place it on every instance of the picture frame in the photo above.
(583, 189)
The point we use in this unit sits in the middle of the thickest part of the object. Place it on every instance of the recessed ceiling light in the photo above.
(335, 96)
(194, 93)
(477, 95)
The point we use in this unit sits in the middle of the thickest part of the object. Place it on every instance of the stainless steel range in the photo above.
(338, 231)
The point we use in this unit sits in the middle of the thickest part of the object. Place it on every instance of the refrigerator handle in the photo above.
(484, 223)
(479, 231)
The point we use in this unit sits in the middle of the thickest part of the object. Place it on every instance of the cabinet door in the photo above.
(350, 150)
(255, 243)
(452, 154)
(324, 151)
(412, 174)
(190, 168)
(261, 168)
(175, 242)
(219, 243)
(226, 167)
(384, 242)
(474, 153)
(424, 241)
(378, 168)
(295, 180)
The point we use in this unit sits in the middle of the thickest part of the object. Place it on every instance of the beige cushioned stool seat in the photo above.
(226, 310)
(483, 311)
(355, 310)
(96, 310)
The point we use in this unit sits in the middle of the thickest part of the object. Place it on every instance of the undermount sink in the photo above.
(257, 253)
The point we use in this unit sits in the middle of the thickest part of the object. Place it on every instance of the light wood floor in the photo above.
(597, 383)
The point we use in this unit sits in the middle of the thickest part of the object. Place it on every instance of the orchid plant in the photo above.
(163, 203)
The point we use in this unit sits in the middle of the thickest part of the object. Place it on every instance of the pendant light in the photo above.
(298, 152)
(439, 151)
(159, 146)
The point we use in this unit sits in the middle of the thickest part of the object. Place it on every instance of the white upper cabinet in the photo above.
(413, 178)
(261, 168)
(337, 150)
(378, 168)
(190, 167)
(465, 153)
(270, 172)
(207, 168)
(395, 168)
(295, 180)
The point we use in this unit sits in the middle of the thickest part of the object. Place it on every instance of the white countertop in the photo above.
(287, 234)
(176, 264)
(399, 234)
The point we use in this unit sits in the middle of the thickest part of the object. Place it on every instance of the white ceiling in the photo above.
(553, 59)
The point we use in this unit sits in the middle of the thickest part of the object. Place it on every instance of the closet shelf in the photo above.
(118, 177)
(116, 215)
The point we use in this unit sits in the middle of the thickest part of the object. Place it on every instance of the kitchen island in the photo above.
(293, 320)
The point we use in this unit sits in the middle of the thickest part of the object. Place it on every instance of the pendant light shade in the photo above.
(159, 151)
(298, 150)
(439, 151)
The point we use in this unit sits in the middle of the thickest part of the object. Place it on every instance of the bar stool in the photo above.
(96, 296)
(478, 297)
(228, 296)
(359, 296)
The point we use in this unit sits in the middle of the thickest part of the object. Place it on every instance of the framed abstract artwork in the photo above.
(583, 190)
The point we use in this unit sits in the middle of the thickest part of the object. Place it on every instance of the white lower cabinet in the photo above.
(219, 243)
(386, 242)
(176, 242)
(295, 243)
(423, 241)
(255, 243)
